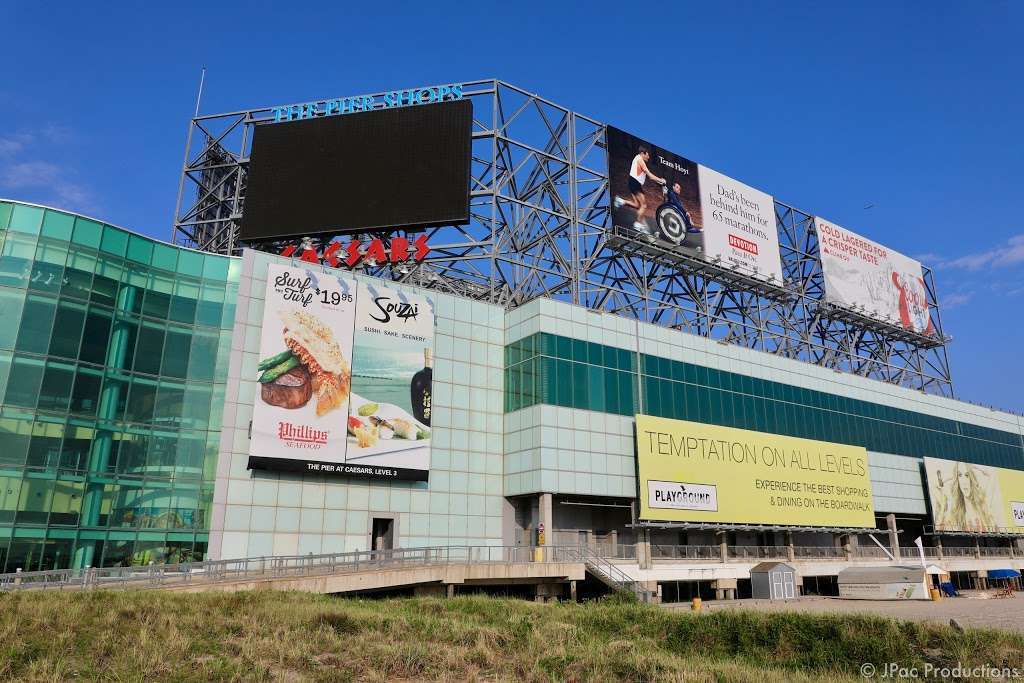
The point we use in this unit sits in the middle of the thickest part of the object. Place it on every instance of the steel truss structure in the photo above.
(540, 227)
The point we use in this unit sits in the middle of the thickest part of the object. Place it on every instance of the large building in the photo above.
(138, 423)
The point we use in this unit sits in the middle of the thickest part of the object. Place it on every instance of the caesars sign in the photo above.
(692, 472)
(861, 274)
(975, 498)
(691, 209)
(343, 378)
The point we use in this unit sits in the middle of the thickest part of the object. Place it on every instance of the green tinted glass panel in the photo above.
(87, 233)
(26, 219)
(5, 214)
(190, 263)
(140, 249)
(115, 241)
(58, 225)
(165, 257)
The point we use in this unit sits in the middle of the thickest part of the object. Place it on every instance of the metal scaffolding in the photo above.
(540, 227)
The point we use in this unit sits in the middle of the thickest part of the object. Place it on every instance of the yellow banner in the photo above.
(975, 498)
(693, 472)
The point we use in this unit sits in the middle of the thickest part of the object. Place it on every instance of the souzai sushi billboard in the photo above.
(344, 378)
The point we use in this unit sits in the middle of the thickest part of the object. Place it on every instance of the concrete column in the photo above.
(894, 537)
(615, 543)
(546, 517)
(848, 549)
(938, 547)
(723, 546)
(643, 548)
(572, 591)
(790, 551)
(977, 549)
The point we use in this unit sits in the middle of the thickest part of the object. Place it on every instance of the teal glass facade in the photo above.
(545, 368)
(113, 363)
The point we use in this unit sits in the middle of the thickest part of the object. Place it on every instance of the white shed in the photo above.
(773, 581)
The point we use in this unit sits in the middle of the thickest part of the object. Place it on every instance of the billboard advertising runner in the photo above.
(655, 194)
(693, 210)
(975, 498)
(333, 353)
(882, 283)
(693, 472)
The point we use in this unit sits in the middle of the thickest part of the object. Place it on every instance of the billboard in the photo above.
(974, 498)
(881, 283)
(383, 169)
(693, 472)
(690, 209)
(339, 391)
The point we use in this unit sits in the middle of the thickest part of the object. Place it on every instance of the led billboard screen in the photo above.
(873, 280)
(407, 167)
(691, 209)
(344, 383)
(975, 498)
(694, 472)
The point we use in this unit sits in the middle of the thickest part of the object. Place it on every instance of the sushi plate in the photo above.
(386, 411)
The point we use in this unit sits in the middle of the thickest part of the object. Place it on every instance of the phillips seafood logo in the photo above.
(286, 431)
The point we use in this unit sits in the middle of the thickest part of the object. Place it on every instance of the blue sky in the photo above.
(912, 108)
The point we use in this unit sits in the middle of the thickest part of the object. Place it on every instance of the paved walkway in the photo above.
(970, 610)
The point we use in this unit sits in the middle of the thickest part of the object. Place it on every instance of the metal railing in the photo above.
(609, 573)
(996, 552)
(958, 551)
(815, 552)
(257, 568)
(686, 552)
(912, 552)
(758, 552)
(870, 552)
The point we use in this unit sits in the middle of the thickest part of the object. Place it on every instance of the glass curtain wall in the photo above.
(113, 362)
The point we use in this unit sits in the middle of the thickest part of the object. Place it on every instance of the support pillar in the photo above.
(790, 550)
(572, 591)
(977, 549)
(723, 546)
(546, 518)
(938, 547)
(643, 548)
(894, 536)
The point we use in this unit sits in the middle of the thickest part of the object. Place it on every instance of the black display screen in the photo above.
(388, 168)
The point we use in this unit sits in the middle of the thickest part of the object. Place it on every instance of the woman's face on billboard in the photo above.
(964, 480)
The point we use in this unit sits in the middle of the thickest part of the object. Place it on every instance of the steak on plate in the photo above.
(291, 390)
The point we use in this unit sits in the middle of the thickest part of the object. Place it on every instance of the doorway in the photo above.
(383, 534)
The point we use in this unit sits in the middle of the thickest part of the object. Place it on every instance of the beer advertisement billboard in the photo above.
(343, 380)
(694, 472)
(863, 276)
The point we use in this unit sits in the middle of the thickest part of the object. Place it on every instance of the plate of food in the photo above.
(375, 428)
(311, 375)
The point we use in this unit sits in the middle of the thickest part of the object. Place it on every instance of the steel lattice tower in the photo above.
(540, 227)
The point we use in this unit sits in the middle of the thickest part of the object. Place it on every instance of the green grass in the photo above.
(269, 636)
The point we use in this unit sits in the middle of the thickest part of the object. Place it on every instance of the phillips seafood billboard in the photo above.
(343, 378)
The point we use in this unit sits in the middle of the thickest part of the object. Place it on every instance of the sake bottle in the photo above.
(420, 388)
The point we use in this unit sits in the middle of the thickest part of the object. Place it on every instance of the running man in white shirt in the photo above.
(638, 174)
